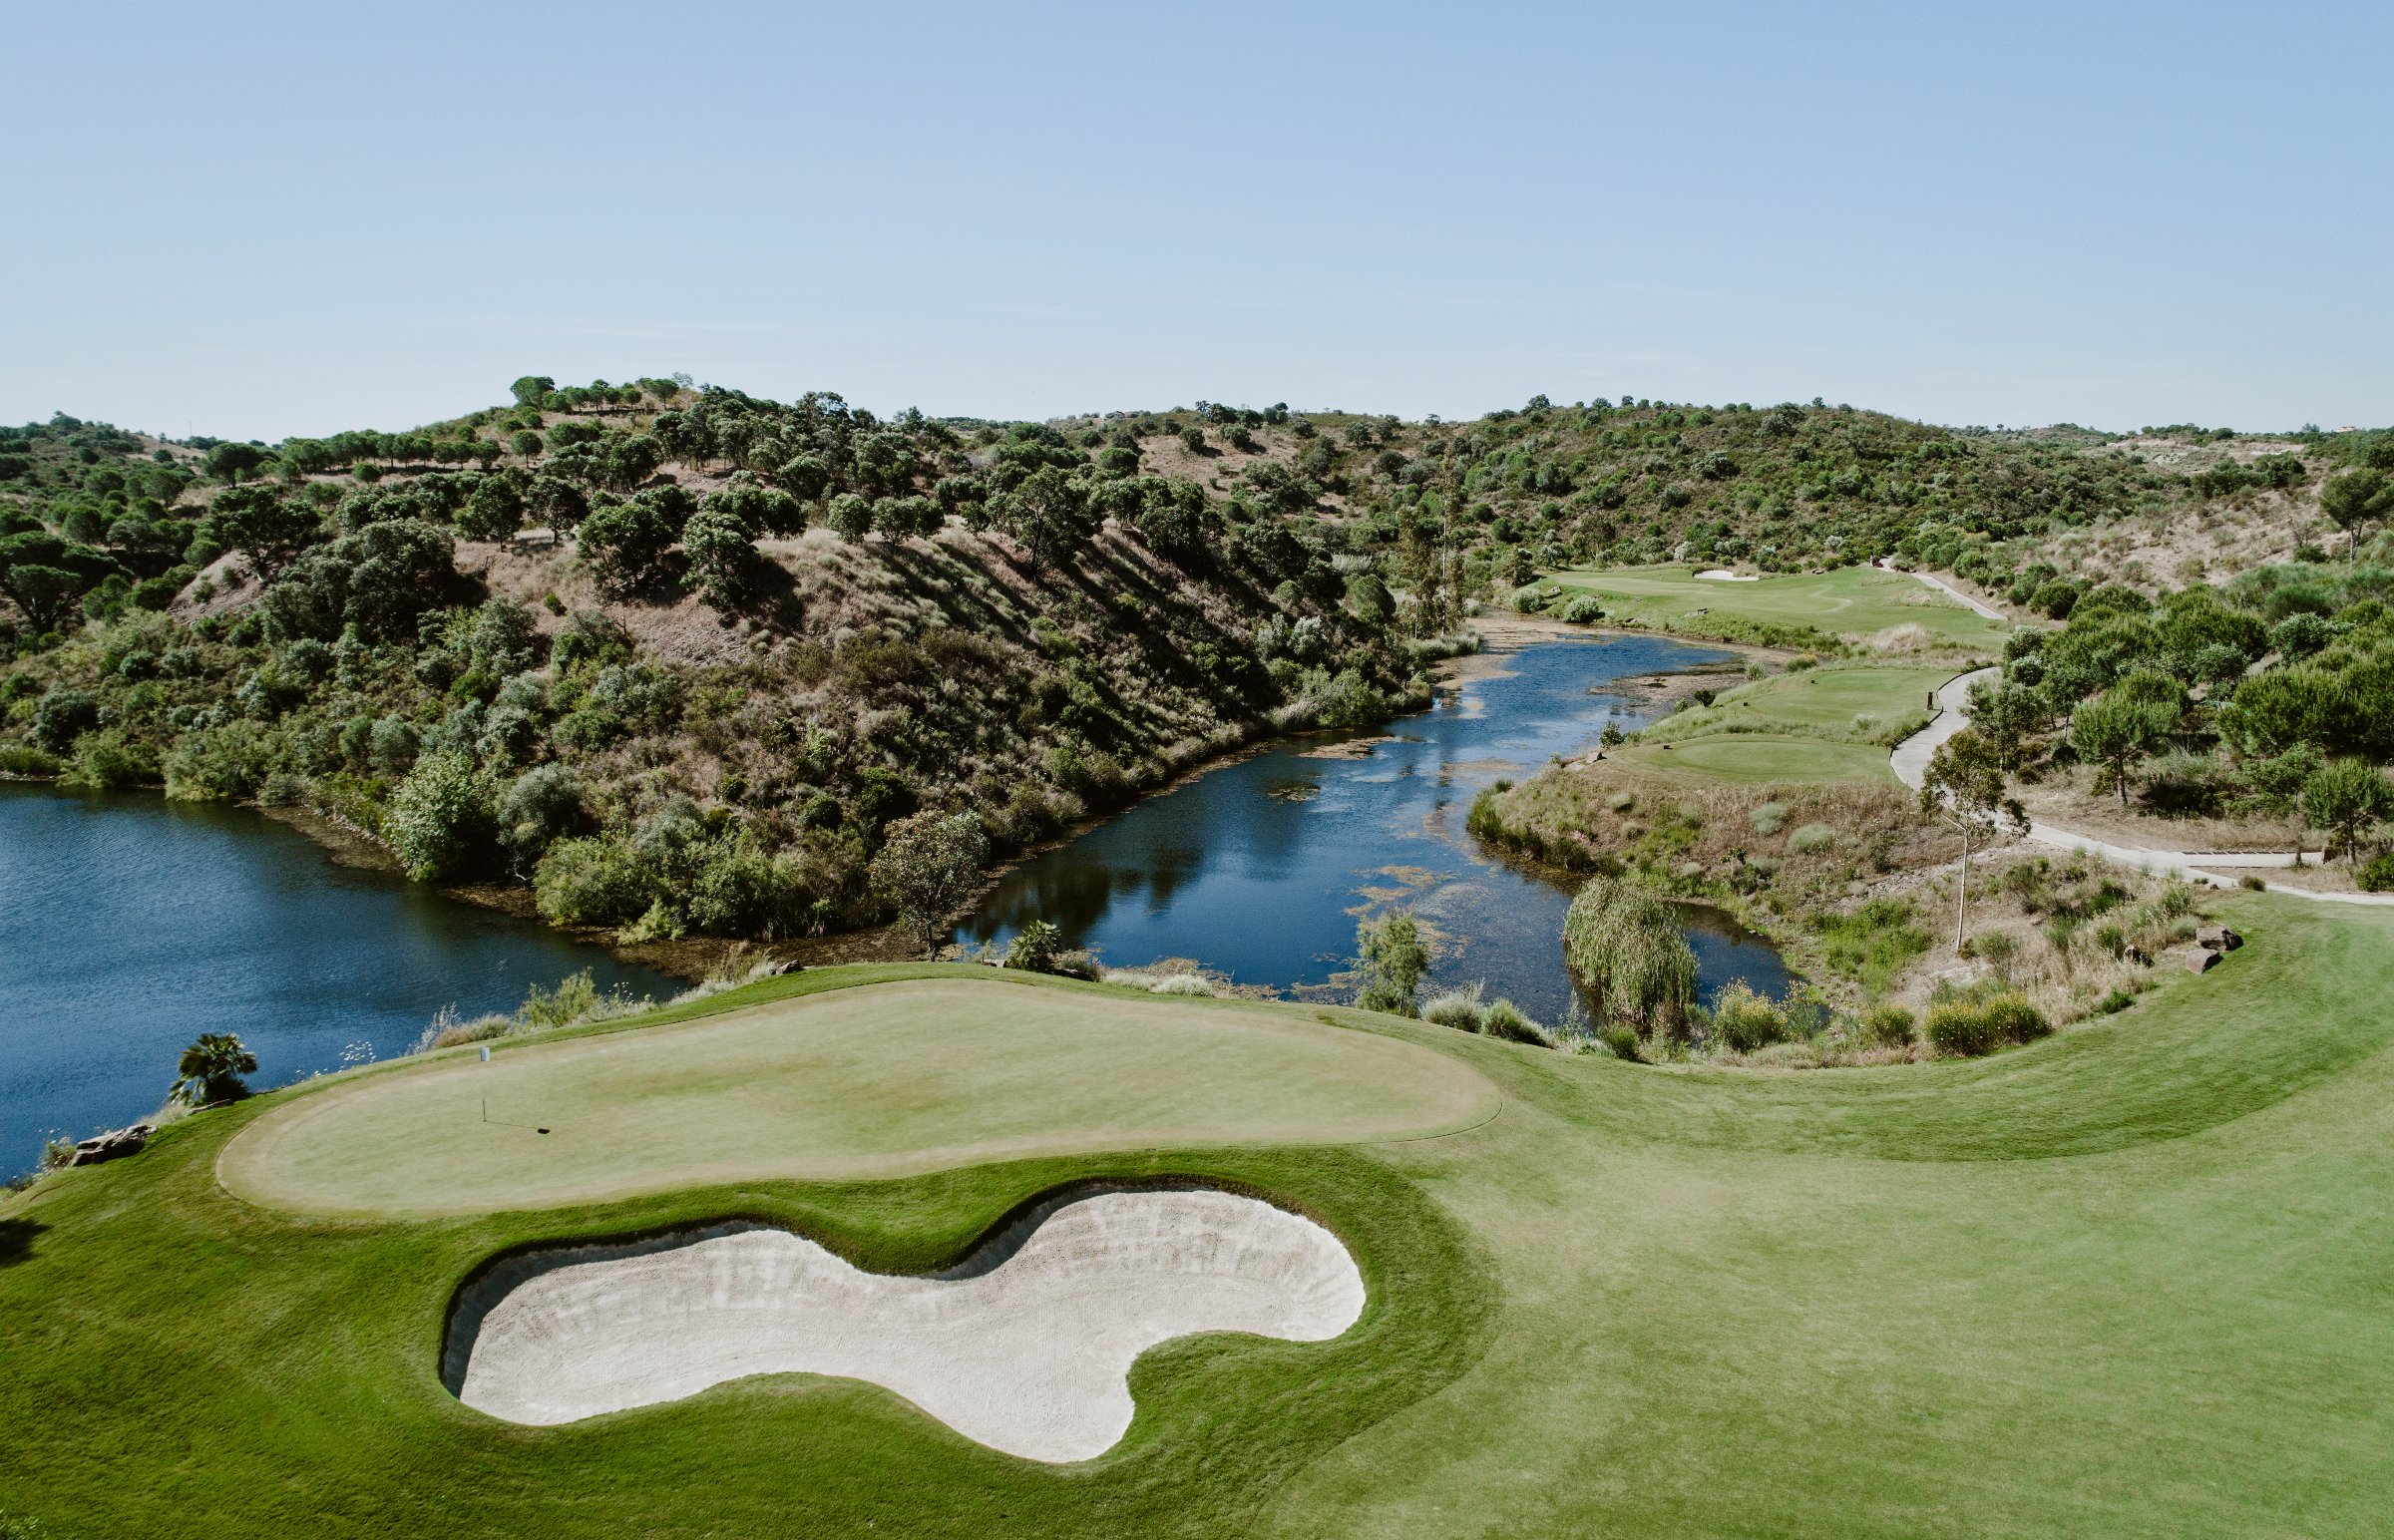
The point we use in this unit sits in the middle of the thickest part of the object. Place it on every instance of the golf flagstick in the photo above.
(485, 1085)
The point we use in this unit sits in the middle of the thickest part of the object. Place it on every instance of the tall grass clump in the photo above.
(1627, 951)
(1459, 1008)
(574, 1001)
(1964, 1025)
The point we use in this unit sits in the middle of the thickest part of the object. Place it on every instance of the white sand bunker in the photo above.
(1026, 1346)
(1724, 575)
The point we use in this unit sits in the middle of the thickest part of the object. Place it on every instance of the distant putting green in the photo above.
(1850, 600)
(1754, 761)
(993, 1069)
(1813, 725)
(1826, 698)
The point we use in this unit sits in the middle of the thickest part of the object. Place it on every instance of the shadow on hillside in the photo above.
(16, 1239)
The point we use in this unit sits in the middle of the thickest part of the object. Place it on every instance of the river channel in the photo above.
(1260, 868)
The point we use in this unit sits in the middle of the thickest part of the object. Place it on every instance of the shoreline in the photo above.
(694, 959)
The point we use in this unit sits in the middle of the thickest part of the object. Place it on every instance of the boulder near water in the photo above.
(113, 1145)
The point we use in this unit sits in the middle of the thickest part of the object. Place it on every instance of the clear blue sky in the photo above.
(253, 221)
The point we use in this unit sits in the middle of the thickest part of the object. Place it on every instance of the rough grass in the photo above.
(2128, 1280)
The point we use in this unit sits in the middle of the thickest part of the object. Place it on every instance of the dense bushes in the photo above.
(1964, 1026)
(441, 821)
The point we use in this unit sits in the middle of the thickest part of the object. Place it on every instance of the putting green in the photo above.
(810, 1088)
(1751, 761)
(1847, 601)
(1830, 697)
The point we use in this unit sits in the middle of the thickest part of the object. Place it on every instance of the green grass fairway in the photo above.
(990, 1069)
(1753, 761)
(1826, 698)
(1849, 600)
(2128, 1281)
(1788, 727)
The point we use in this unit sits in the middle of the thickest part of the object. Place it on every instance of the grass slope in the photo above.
(2126, 1281)
(801, 1087)
(1853, 600)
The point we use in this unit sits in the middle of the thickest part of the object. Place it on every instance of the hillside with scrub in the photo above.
(672, 660)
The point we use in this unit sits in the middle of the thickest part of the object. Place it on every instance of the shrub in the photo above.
(2257, 884)
(1742, 1020)
(1812, 839)
(2013, 1019)
(574, 998)
(1580, 609)
(1036, 948)
(540, 808)
(1887, 1026)
(1503, 1019)
(2116, 1001)
(211, 1070)
(15, 760)
(1459, 1008)
(107, 759)
(1393, 960)
(1964, 1027)
(1183, 983)
(2375, 877)
(1622, 1041)
(219, 763)
(441, 821)
(1959, 1029)
(59, 715)
(1769, 818)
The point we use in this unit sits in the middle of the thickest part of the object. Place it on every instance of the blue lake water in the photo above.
(131, 924)
(1260, 868)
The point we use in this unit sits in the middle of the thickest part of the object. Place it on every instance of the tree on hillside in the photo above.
(532, 389)
(268, 528)
(1175, 518)
(1392, 959)
(230, 462)
(2347, 799)
(926, 867)
(2356, 497)
(630, 540)
(494, 510)
(556, 503)
(851, 516)
(1964, 784)
(2004, 714)
(210, 1071)
(45, 594)
(722, 555)
(1049, 516)
(2118, 734)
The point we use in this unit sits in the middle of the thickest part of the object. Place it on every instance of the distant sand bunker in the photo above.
(1026, 1346)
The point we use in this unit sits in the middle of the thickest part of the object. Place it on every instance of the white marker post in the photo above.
(485, 1085)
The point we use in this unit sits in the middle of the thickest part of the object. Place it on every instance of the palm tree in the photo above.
(211, 1070)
